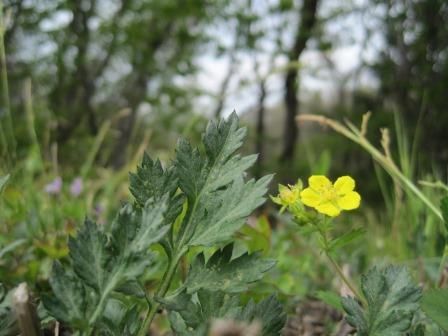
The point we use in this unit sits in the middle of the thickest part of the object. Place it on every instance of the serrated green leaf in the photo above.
(268, 312)
(132, 288)
(201, 200)
(218, 199)
(190, 315)
(222, 273)
(151, 229)
(435, 305)
(120, 320)
(3, 181)
(105, 265)
(225, 213)
(195, 314)
(69, 303)
(8, 321)
(220, 167)
(152, 181)
(90, 256)
(8, 324)
(392, 300)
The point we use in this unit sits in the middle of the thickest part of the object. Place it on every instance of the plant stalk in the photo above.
(160, 293)
(9, 131)
(338, 269)
(346, 280)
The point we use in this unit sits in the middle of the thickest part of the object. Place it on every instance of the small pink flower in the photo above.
(76, 187)
(54, 187)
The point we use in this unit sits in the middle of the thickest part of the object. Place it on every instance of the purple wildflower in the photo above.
(99, 209)
(54, 187)
(76, 187)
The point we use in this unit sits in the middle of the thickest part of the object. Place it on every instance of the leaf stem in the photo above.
(161, 292)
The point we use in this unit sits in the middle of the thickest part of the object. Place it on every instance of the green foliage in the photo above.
(68, 303)
(444, 208)
(119, 319)
(8, 322)
(214, 212)
(435, 305)
(194, 313)
(392, 300)
(330, 298)
(346, 238)
(3, 181)
(222, 273)
(200, 200)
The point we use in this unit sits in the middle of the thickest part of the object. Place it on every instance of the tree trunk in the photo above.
(291, 131)
(259, 137)
(224, 86)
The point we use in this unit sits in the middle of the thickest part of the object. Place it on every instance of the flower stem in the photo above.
(350, 285)
(346, 280)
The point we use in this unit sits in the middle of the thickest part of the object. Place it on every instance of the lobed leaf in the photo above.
(392, 300)
(69, 303)
(218, 199)
(120, 320)
(268, 312)
(222, 273)
(225, 213)
(152, 181)
(435, 305)
(191, 316)
(103, 265)
(89, 255)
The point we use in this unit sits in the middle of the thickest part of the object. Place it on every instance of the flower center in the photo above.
(330, 194)
(288, 196)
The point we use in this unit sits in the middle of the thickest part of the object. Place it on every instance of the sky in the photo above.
(357, 42)
(316, 76)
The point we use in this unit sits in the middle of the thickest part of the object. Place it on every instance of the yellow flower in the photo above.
(288, 195)
(330, 199)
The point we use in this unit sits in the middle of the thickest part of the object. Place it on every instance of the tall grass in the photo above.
(413, 216)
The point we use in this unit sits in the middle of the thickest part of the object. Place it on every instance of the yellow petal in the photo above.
(344, 185)
(329, 209)
(310, 198)
(319, 183)
(350, 201)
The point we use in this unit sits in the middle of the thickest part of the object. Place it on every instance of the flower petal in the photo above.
(329, 209)
(319, 183)
(310, 198)
(350, 201)
(344, 185)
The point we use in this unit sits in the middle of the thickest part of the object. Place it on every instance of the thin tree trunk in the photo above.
(260, 134)
(137, 94)
(224, 86)
(291, 131)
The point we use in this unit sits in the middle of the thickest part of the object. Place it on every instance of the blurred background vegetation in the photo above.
(89, 85)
